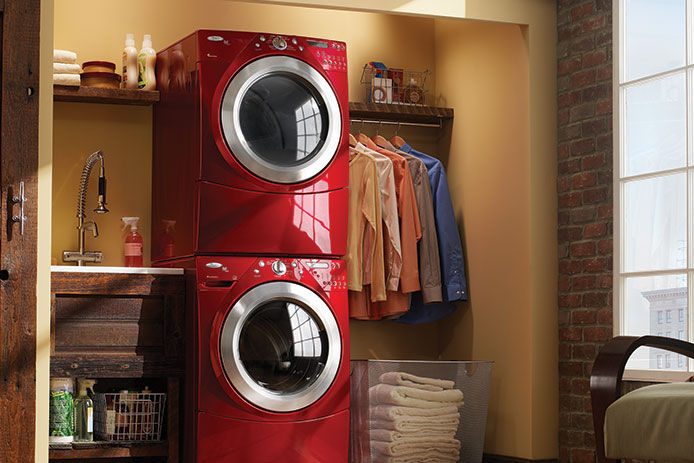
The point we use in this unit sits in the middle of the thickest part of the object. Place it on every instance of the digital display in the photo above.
(313, 43)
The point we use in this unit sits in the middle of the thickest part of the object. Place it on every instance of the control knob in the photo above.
(279, 268)
(279, 43)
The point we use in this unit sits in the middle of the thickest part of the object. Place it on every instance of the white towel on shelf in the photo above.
(66, 79)
(392, 412)
(413, 397)
(64, 56)
(410, 445)
(387, 435)
(410, 426)
(398, 378)
(431, 456)
(64, 68)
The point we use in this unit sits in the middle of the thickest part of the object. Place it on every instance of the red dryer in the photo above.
(268, 373)
(250, 155)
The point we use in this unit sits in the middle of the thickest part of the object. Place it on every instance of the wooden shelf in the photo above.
(399, 112)
(104, 95)
(101, 449)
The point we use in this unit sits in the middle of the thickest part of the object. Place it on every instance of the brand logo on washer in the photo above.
(213, 265)
(215, 38)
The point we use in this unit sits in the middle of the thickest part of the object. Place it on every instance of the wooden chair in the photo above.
(658, 408)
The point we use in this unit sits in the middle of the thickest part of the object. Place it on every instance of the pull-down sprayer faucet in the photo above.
(83, 256)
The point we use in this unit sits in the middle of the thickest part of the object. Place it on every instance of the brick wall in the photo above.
(584, 188)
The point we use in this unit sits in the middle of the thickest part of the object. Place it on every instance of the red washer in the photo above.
(268, 372)
(250, 146)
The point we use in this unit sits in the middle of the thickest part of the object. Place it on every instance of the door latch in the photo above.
(21, 218)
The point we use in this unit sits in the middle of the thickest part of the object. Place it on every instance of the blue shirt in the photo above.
(454, 285)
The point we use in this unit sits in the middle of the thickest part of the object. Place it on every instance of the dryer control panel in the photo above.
(331, 55)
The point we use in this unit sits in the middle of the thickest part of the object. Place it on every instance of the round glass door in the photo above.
(280, 346)
(280, 119)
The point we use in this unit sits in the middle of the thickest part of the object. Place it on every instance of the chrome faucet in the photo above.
(83, 256)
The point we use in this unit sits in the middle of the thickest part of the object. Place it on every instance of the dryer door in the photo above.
(280, 119)
(280, 346)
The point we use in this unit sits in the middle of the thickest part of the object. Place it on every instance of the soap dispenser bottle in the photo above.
(133, 243)
(145, 65)
(84, 412)
(130, 78)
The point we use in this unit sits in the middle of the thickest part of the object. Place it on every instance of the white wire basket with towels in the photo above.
(408, 411)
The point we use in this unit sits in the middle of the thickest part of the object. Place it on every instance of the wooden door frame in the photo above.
(19, 136)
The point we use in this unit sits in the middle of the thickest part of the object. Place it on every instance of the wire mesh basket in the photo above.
(398, 86)
(134, 417)
(406, 410)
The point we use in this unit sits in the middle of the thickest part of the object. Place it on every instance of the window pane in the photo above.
(655, 36)
(656, 125)
(645, 300)
(655, 229)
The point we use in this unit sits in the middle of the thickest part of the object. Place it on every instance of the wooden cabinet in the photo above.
(110, 325)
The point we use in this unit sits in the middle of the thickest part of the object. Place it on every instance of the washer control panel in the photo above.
(330, 274)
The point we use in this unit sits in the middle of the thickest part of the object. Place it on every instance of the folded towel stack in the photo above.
(66, 71)
(414, 419)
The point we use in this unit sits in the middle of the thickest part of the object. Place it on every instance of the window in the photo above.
(654, 170)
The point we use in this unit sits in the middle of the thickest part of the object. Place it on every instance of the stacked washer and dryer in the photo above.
(249, 194)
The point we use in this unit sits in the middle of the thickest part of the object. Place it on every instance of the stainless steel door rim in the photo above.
(230, 340)
(231, 125)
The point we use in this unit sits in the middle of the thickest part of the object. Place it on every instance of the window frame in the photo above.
(619, 276)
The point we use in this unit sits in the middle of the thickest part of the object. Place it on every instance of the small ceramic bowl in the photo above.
(98, 66)
(100, 79)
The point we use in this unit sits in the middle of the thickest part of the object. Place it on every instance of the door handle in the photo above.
(21, 218)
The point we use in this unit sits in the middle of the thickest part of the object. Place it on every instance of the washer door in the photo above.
(280, 119)
(280, 346)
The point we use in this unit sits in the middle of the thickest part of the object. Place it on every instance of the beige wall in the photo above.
(482, 70)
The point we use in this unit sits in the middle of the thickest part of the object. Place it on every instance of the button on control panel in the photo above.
(279, 268)
(330, 274)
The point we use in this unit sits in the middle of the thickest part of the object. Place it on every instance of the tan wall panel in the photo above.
(482, 71)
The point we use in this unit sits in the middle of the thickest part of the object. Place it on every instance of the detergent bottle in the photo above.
(133, 243)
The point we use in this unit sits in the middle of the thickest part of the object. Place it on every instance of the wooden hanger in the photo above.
(396, 140)
(352, 141)
(378, 139)
(363, 139)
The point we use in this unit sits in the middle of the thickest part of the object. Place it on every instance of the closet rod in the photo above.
(411, 124)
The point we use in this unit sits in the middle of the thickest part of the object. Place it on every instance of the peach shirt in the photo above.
(364, 220)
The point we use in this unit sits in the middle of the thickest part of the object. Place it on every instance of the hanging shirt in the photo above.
(389, 211)
(428, 250)
(365, 230)
(410, 226)
(450, 248)
(397, 302)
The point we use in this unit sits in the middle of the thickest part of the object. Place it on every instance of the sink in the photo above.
(100, 269)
